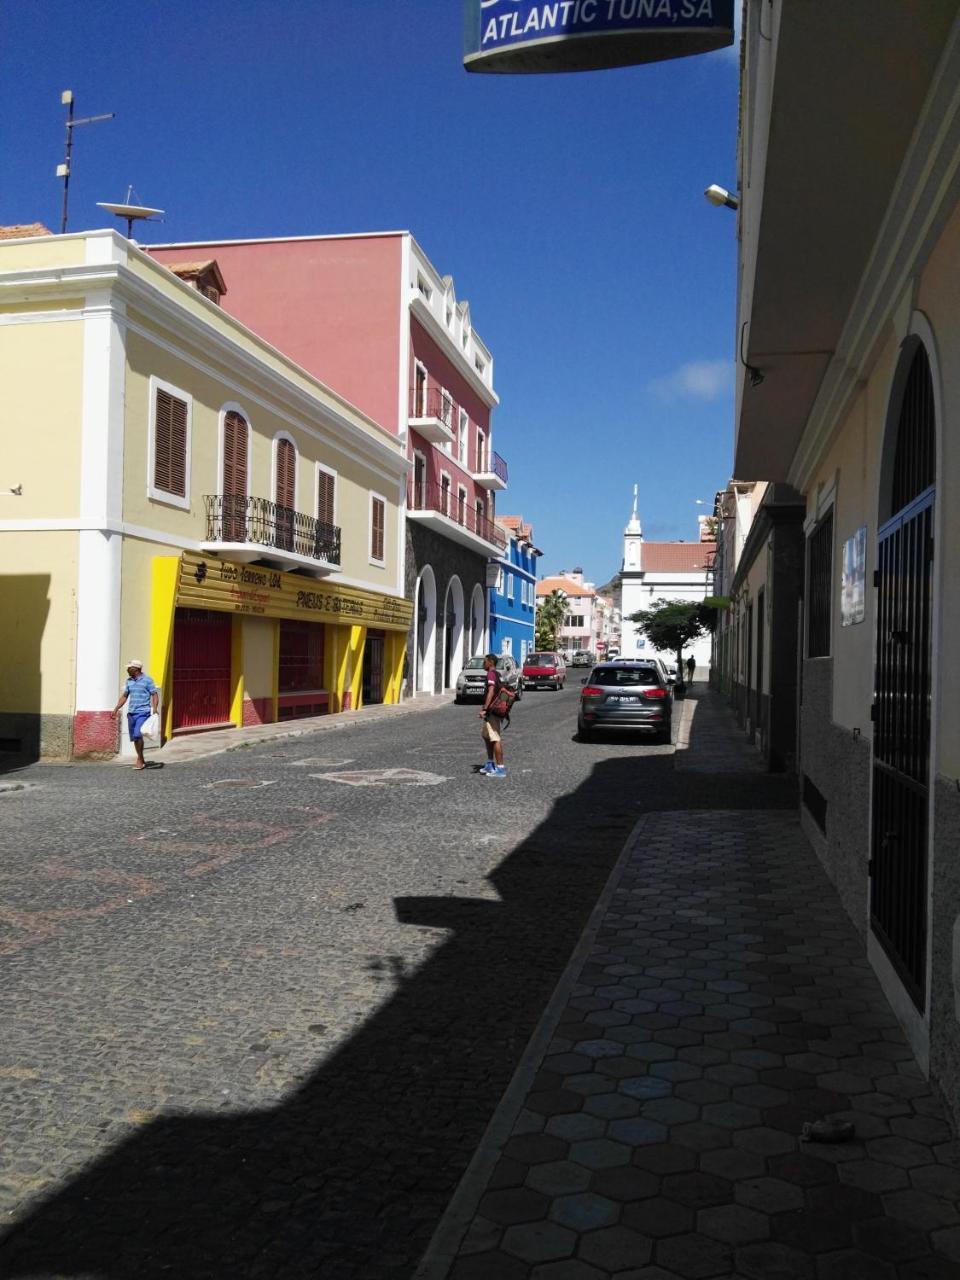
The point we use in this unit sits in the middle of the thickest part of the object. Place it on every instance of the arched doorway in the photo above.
(424, 641)
(477, 611)
(452, 632)
(902, 678)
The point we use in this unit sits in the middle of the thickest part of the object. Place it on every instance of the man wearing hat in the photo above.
(143, 697)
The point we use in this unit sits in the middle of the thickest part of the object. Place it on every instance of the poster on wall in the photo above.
(854, 578)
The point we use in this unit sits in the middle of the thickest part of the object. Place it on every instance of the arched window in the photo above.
(235, 444)
(286, 492)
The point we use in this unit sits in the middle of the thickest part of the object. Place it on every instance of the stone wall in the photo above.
(945, 943)
(28, 736)
(838, 764)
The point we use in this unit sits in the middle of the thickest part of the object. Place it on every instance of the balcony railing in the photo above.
(433, 497)
(491, 470)
(432, 402)
(236, 518)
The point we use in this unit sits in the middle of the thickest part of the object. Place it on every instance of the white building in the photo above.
(577, 630)
(655, 571)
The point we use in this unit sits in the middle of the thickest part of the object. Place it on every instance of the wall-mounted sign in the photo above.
(589, 35)
(207, 582)
(854, 578)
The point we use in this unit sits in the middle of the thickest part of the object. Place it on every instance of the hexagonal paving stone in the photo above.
(535, 1148)
(732, 1164)
(700, 1136)
(702, 1092)
(733, 1224)
(637, 1131)
(871, 1175)
(576, 1127)
(731, 1115)
(928, 1129)
(937, 1180)
(569, 1269)
(481, 1266)
(657, 1217)
(695, 1256)
(852, 1264)
(539, 1241)
(697, 1190)
(553, 1102)
(676, 1071)
(644, 1087)
(584, 1211)
(481, 1236)
(557, 1178)
(921, 1210)
(947, 1242)
(850, 1202)
(651, 1051)
(771, 1195)
(670, 1111)
(600, 1153)
(890, 1239)
(507, 1173)
(900, 1151)
(589, 1084)
(615, 1248)
(665, 1159)
(762, 1261)
(812, 1232)
(764, 1141)
(625, 1183)
(514, 1204)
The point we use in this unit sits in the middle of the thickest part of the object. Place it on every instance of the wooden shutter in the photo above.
(326, 492)
(376, 528)
(170, 444)
(234, 455)
(286, 473)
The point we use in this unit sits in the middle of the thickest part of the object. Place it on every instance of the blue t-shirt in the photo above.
(138, 693)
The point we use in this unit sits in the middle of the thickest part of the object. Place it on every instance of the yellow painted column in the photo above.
(236, 670)
(394, 652)
(357, 640)
(165, 573)
(276, 672)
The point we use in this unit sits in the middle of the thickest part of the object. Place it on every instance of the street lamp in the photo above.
(721, 197)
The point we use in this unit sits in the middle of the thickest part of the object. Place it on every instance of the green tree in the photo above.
(670, 624)
(551, 612)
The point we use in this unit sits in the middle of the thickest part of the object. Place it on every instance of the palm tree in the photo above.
(551, 611)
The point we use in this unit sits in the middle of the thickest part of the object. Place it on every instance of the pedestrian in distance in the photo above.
(492, 732)
(691, 668)
(143, 698)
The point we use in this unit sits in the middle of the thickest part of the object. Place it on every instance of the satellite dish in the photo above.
(132, 212)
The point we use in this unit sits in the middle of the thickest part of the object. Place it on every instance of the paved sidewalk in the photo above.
(708, 739)
(719, 998)
(196, 746)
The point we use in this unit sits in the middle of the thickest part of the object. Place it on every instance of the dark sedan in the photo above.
(626, 695)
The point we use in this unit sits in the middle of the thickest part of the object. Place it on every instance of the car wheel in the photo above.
(583, 733)
(457, 699)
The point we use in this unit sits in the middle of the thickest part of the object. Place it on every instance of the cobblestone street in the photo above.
(262, 1009)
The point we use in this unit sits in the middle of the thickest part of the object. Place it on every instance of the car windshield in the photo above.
(473, 664)
(541, 660)
(623, 675)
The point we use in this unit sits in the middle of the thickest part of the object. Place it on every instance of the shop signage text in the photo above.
(210, 583)
(587, 35)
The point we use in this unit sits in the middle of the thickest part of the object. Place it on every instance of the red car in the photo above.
(544, 671)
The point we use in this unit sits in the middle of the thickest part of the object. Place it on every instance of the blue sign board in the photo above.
(588, 35)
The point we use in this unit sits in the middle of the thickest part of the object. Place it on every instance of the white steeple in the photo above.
(632, 540)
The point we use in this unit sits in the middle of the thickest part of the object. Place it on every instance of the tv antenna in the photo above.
(132, 212)
(63, 170)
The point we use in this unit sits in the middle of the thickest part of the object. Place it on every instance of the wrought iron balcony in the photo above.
(258, 523)
(491, 471)
(431, 413)
(426, 502)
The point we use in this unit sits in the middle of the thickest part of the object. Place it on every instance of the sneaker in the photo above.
(498, 771)
(489, 767)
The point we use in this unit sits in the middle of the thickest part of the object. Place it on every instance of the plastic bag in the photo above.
(151, 726)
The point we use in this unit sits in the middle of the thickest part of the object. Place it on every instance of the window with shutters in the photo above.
(234, 491)
(378, 516)
(168, 451)
(285, 492)
(326, 495)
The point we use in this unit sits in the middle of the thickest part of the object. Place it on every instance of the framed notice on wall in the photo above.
(854, 578)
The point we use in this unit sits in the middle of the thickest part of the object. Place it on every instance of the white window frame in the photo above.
(321, 466)
(371, 558)
(418, 453)
(420, 410)
(233, 406)
(462, 498)
(510, 587)
(463, 437)
(153, 493)
(506, 645)
(481, 445)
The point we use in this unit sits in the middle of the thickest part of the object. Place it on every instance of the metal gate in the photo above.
(201, 669)
(901, 746)
(373, 668)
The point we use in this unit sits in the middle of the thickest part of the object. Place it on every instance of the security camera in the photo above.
(721, 196)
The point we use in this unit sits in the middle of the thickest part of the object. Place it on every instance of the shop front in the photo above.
(242, 644)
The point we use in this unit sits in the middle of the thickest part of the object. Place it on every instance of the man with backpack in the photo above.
(496, 709)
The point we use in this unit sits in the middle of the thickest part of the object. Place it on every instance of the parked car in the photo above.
(626, 695)
(544, 671)
(582, 658)
(472, 680)
(613, 652)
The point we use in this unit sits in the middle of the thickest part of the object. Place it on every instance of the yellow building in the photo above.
(175, 489)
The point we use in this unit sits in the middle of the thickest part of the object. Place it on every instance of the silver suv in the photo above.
(472, 680)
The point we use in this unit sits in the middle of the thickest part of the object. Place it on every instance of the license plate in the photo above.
(623, 697)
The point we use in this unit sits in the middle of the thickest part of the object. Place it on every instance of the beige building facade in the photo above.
(183, 493)
(849, 395)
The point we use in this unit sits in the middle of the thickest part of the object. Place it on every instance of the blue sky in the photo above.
(568, 209)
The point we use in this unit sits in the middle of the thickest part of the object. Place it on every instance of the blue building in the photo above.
(513, 600)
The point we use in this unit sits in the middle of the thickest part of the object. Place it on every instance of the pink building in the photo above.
(371, 317)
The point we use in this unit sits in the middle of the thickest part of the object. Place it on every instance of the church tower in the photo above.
(631, 580)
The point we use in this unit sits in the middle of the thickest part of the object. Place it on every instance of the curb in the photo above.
(441, 1252)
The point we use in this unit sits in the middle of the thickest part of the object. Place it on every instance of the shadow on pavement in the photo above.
(348, 1177)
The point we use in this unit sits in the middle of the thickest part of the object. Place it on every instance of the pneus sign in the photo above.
(589, 35)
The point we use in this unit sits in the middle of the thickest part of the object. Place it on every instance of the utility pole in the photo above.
(63, 170)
